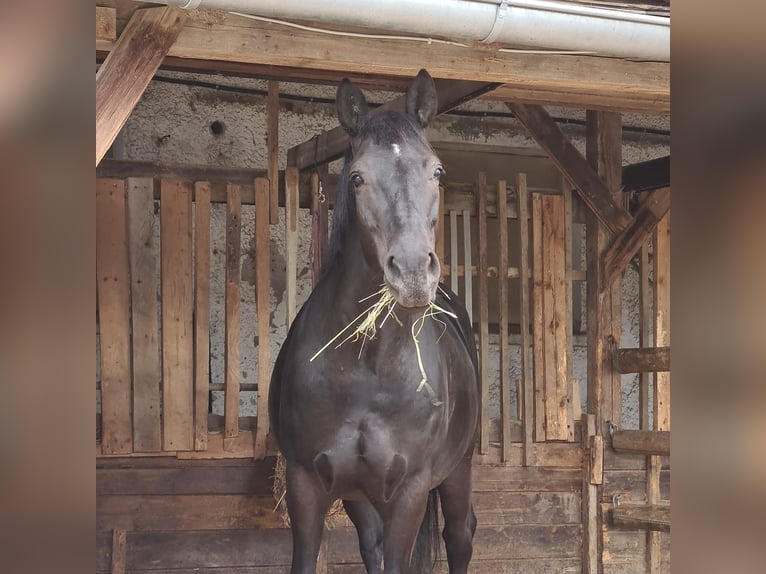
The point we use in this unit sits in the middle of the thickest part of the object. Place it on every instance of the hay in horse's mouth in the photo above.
(365, 326)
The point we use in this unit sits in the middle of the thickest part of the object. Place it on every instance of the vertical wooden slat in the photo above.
(553, 428)
(467, 261)
(292, 176)
(453, 255)
(263, 308)
(537, 331)
(590, 500)
(114, 316)
(147, 435)
(177, 296)
(201, 313)
(319, 218)
(440, 227)
(119, 554)
(574, 407)
(644, 335)
(527, 395)
(272, 129)
(232, 367)
(505, 358)
(661, 402)
(481, 192)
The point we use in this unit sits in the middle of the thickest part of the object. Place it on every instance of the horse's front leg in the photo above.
(369, 528)
(401, 521)
(307, 504)
(459, 518)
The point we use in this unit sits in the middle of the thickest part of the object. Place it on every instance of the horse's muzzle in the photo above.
(412, 280)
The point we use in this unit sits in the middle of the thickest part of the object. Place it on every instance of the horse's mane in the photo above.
(383, 129)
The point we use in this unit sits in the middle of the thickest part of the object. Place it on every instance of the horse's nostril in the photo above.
(432, 261)
(391, 265)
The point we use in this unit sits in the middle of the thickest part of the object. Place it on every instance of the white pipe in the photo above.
(541, 24)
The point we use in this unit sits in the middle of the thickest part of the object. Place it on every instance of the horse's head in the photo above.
(394, 176)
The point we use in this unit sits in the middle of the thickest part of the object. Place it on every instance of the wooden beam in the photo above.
(106, 23)
(272, 141)
(625, 246)
(526, 397)
(481, 193)
(263, 310)
(643, 517)
(590, 187)
(647, 175)
(585, 81)
(331, 144)
(127, 70)
(642, 360)
(642, 442)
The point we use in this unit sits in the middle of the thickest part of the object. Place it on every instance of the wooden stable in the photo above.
(558, 486)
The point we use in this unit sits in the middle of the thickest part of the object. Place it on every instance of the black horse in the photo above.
(358, 425)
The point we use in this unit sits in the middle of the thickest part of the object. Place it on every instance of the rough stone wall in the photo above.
(176, 122)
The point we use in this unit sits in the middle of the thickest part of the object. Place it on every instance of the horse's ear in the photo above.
(421, 98)
(352, 106)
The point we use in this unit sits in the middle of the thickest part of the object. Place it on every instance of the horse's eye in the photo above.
(438, 172)
(357, 180)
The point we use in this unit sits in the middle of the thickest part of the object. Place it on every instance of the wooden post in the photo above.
(604, 153)
(127, 70)
(505, 358)
(644, 336)
(467, 260)
(292, 183)
(590, 501)
(537, 329)
(201, 312)
(481, 192)
(661, 406)
(527, 395)
(119, 558)
(440, 227)
(143, 288)
(272, 137)
(233, 240)
(114, 316)
(319, 216)
(263, 305)
(453, 255)
(177, 301)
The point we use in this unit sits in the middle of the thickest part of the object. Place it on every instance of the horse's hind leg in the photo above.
(459, 518)
(307, 504)
(369, 528)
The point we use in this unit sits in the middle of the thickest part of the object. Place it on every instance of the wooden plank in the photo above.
(440, 227)
(106, 23)
(263, 308)
(612, 83)
(591, 543)
(526, 397)
(574, 406)
(201, 312)
(643, 517)
(647, 175)
(596, 451)
(332, 144)
(292, 177)
(272, 139)
(537, 330)
(232, 327)
(114, 316)
(177, 300)
(505, 357)
(662, 319)
(319, 218)
(453, 251)
(127, 70)
(467, 254)
(642, 442)
(554, 429)
(625, 246)
(186, 512)
(147, 373)
(644, 334)
(481, 192)
(589, 185)
(119, 539)
(642, 360)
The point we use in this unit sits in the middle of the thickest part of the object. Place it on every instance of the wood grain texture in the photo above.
(119, 542)
(106, 23)
(263, 308)
(642, 360)
(526, 397)
(591, 544)
(147, 371)
(481, 192)
(440, 222)
(453, 254)
(642, 442)
(177, 304)
(467, 258)
(201, 313)
(502, 293)
(537, 317)
(292, 183)
(114, 316)
(643, 517)
(130, 65)
(243, 44)
(232, 310)
(272, 140)
(625, 246)
(589, 185)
